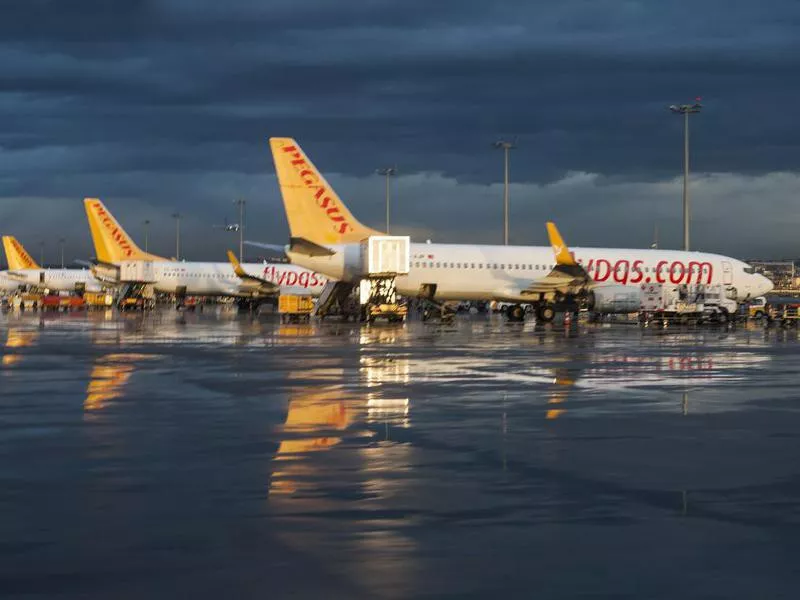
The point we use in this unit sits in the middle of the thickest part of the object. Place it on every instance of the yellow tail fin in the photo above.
(314, 211)
(18, 258)
(111, 243)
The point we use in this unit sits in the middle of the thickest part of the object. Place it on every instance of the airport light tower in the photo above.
(177, 217)
(146, 234)
(686, 110)
(506, 146)
(61, 242)
(240, 203)
(387, 172)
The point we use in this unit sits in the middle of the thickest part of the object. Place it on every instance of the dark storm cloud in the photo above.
(166, 105)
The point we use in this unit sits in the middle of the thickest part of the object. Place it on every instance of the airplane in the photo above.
(326, 237)
(24, 271)
(230, 227)
(253, 281)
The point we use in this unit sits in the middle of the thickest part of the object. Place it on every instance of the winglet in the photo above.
(562, 253)
(237, 267)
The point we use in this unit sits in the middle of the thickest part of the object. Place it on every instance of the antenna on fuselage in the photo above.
(654, 245)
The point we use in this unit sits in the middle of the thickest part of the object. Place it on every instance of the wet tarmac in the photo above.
(217, 456)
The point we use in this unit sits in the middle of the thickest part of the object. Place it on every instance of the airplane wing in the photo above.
(250, 282)
(567, 275)
(17, 275)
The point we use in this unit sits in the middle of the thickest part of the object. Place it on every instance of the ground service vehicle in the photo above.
(661, 304)
(757, 308)
(784, 312)
(293, 308)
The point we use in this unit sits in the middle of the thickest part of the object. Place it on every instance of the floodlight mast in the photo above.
(506, 146)
(177, 217)
(387, 172)
(686, 110)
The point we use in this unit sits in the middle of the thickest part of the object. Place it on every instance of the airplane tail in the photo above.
(111, 243)
(314, 211)
(18, 257)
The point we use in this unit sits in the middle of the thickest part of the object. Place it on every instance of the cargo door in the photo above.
(727, 273)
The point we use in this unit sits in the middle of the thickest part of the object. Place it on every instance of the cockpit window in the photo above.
(749, 270)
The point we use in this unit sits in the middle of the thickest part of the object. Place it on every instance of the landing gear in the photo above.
(434, 310)
(545, 313)
(515, 313)
(248, 305)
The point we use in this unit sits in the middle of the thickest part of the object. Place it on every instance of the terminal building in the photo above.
(783, 273)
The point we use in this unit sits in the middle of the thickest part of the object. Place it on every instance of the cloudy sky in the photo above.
(160, 106)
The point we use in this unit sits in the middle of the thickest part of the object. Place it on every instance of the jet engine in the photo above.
(614, 299)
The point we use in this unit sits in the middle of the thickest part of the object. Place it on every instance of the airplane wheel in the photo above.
(545, 313)
(516, 313)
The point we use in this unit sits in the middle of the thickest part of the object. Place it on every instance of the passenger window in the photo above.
(502, 266)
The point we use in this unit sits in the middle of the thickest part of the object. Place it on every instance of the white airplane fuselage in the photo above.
(219, 279)
(7, 284)
(55, 280)
(504, 273)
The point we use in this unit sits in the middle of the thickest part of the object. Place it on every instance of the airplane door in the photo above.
(41, 277)
(727, 273)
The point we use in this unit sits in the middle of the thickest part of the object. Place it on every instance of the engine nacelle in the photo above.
(617, 299)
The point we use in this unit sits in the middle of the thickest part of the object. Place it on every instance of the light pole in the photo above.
(686, 110)
(240, 204)
(506, 146)
(177, 217)
(41, 254)
(61, 243)
(146, 234)
(387, 172)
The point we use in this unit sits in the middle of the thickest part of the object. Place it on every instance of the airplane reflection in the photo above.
(319, 416)
(109, 375)
(17, 338)
(562, 383)
(316, 418)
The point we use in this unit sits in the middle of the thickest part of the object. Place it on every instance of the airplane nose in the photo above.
(764, 285)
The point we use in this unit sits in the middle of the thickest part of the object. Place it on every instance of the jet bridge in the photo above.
(383, 259)
(137, 289)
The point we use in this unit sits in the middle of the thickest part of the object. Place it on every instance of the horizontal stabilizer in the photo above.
(308, 248)
(274, 247)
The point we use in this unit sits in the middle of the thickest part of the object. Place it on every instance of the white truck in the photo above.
(664, 303)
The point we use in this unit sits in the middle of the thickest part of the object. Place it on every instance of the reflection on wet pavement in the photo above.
(224, 456)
